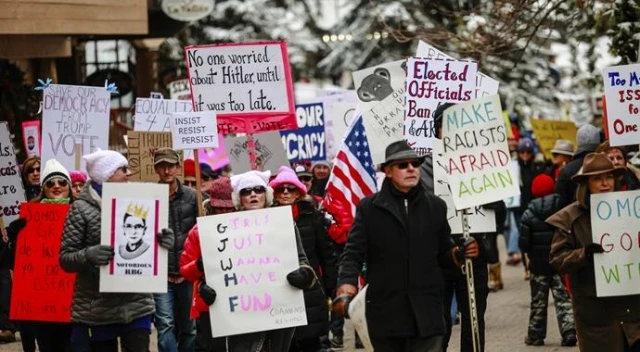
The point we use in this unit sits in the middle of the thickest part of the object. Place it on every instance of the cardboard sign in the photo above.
(31, 137)
(431, 82)
(153, 115)
(42, 291)
(476, 153)
(358, 317)
(270, 153)
(194, 130)
(381, 90)
(132, 215)
(11, 188)
(623, 103)
(248, 85)
(547, 132)
(339, 110)
(615, 221)
(141, 148)
(74, 115)
(480, 220)
(308, 141)
(247, 256)
(179, 90)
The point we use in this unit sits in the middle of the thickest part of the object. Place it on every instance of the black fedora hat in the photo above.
(399, 150)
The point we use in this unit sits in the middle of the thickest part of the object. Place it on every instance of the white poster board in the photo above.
(11, 189)
(358, 317)
(380, 91)
(74, 115)
(339, 111)
(431, 82)
(132, 215)
(622, 103)
(514, 201)
(179, 90)
(476, 153)
(615, 221)
(194, 130)
(153, 115)
(270, 152)
(247, 256)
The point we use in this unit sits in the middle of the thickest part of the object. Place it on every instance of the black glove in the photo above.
(199, 264)
(207, 293)
(166, 238)
(469, 245)
(593, 248)
(99, 254)
(302, 278)
(14, 229)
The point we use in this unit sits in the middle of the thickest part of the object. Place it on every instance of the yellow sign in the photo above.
(507, 124)
(547, 132)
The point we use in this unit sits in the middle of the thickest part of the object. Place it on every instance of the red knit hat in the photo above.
(543, 185)
(189, 168)
(220, 193)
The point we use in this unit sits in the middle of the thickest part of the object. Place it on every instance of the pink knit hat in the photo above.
(78, 176)
(287, 176)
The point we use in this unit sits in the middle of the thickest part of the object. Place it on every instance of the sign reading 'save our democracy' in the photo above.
(429, 83)
(41, 291)
(194, 130)
(152, 115)
(248, 85)
(476, 153)
(247, 256)
(615, 220)
(622, 92)
(11, 189)
(74, 115)
(308, 141)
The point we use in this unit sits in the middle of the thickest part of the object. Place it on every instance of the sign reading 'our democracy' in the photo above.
(622, 91)
(153, 115)
(615, 220)
(194, 130)
(476, 153)
(248, 85)
(308, 141)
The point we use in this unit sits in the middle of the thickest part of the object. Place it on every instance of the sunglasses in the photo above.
(206, 178)
(304, 178)
(525, 152)
(257, 189)
(405, 164)
(59, 183)
(289, 188)
(124, 169)
(135, 227)
(190, 183)
(33, 169)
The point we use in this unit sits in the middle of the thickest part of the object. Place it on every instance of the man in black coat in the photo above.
(403, 235)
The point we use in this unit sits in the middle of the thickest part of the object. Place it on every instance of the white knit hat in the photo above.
(247, 180)
(53, 169)
(102, 164)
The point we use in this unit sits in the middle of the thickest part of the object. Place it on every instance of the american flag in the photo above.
(353, 175)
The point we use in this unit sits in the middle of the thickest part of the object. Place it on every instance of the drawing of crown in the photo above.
(137, 210)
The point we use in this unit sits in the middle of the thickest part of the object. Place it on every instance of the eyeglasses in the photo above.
(405, 164)
(304, 178)
(135, 227)
(57, 182)
(257, 189)
(33, 169)
(289, 188)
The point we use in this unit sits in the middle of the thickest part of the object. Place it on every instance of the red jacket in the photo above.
(189, 270)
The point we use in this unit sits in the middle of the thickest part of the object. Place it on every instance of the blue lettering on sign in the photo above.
(308, 141)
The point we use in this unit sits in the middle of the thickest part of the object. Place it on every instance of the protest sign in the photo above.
(74, 115)
(194, 130)
(248, 85)
(308, 141)
(153, 115)
(431, 82)
(31, 137)
(179, 90)
(358, 317)
(507, 124)
(217, 158)
(380, 90)
(623, 103)
(132, 215)
(141, 148)
(41, 291)
(547, 132)
(247, 256)
(11, 188)
(270, 153)
(339, 110)
(514, 201)
(615, 222)
(476, 153)
(480, 220)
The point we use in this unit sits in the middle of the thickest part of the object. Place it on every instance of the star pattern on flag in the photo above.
(358, 145)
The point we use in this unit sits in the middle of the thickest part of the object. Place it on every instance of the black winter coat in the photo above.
(183, 211)
(565, 187)
(318, 248)
(405, 240)
(527, 173)
(536, 235)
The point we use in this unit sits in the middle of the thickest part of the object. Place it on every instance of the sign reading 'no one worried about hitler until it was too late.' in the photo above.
(477, 156)
(248, 85)
(622, 92)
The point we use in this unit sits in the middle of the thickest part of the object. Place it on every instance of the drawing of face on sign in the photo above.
(376, 86)
(134, 227)
(264, 154)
